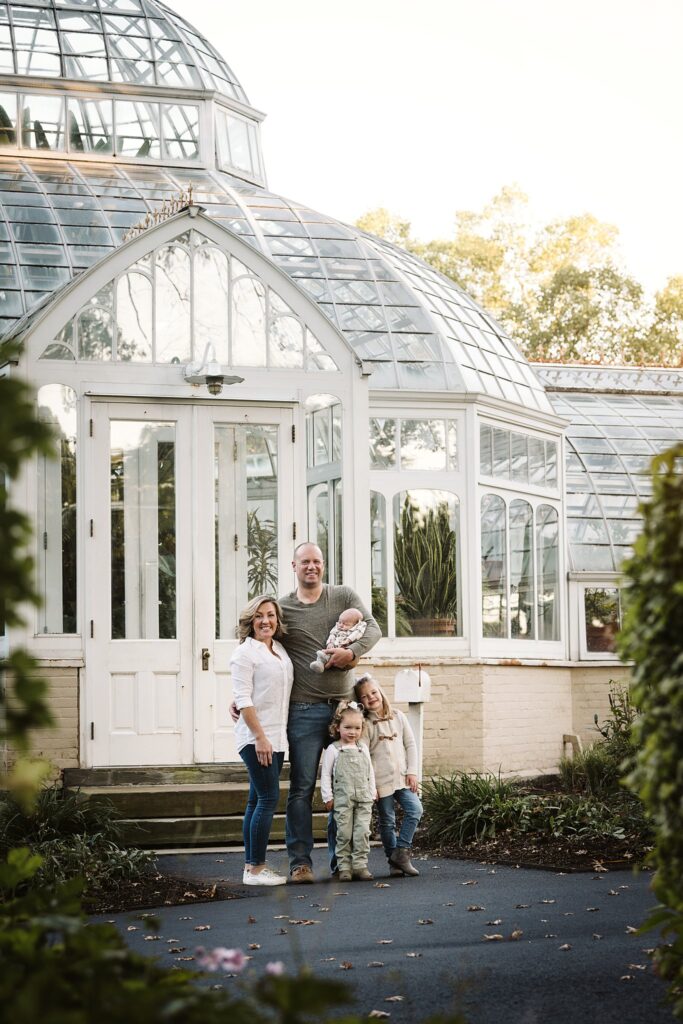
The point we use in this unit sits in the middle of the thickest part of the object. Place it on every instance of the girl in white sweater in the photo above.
(394, 758)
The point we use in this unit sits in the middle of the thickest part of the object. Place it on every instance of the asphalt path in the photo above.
(500, 944)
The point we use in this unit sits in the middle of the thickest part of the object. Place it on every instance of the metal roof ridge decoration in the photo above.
(169, 208)
(610, 379)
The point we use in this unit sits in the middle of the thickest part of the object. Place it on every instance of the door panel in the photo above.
(188, 507)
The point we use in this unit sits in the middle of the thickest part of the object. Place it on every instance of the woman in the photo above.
(262, 677)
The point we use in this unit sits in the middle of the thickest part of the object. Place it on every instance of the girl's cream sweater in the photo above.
(393, 751)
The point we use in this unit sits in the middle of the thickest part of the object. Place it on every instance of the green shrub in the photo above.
(600, 769)
(467, 808)
(652, 637)
(72, 838)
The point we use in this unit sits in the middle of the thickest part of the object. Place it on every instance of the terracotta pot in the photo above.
(433, 627)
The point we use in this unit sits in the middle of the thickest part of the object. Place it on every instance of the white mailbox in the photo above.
(412, 686)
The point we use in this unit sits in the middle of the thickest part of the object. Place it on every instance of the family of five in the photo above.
(282, 699)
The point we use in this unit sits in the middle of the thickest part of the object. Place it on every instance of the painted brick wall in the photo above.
(60, 744)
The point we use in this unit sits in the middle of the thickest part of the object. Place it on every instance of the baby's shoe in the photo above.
(317, 666)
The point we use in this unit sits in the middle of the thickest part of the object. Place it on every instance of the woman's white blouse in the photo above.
(264, 682)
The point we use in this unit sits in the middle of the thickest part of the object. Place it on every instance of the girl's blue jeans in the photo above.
(412, 812)
(264, 792)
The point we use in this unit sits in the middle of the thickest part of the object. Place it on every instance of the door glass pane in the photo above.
(378, 559)
(57, 405)
(245, 519)
(547, 573)
(143, 531)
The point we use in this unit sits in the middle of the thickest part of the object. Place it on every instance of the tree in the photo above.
(652, 637)
(560, 290)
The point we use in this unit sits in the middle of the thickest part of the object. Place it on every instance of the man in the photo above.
(310, 612)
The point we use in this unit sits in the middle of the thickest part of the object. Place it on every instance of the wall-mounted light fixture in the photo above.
(210, 372)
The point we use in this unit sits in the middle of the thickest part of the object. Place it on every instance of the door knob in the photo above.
(206, 654)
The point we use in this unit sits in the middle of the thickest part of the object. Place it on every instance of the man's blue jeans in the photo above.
(308, 733)
(412, 812)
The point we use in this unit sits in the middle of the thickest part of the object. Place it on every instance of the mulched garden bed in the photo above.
(157, 890)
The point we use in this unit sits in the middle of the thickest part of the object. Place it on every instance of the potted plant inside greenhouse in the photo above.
(425, 565)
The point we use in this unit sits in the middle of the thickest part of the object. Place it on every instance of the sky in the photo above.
(431, 107)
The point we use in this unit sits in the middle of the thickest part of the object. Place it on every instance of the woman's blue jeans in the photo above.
(264, 792)
(412, 812)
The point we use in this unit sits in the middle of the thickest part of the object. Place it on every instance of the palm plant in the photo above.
(262, 548)
(425, 562)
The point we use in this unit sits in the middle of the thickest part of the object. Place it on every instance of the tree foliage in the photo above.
(560, 290)
(652, 637)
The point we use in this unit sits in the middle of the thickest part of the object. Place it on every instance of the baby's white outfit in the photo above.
(338, 638)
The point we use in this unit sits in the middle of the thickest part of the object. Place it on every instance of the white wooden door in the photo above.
(186, 511)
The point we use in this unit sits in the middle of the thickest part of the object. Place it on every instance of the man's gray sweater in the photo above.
(308, 627)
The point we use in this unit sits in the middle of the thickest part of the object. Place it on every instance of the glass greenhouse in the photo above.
(228, 371)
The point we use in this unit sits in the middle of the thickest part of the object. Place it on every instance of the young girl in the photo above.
(394, 757)
(347, 785)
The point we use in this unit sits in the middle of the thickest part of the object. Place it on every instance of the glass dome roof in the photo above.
(139, 42)
(413, 328)
(618, 420)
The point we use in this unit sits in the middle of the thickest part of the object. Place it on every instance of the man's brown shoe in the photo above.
(301, 875)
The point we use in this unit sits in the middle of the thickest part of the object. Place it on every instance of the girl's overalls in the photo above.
(353, 800)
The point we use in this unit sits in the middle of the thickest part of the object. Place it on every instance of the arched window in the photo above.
(426, 561)
(547, 553)
(519, 570)
(493, 566)
(199, 296)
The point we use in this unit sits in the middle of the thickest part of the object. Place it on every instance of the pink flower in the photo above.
(275, 967)
(231, 960)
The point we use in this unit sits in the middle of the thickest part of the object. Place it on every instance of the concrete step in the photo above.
(202, 831)
(168, 775)
(194, 801)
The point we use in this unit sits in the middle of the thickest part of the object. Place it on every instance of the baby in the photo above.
(348, 628)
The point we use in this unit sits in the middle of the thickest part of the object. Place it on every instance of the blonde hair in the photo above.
(245, 626)
(342, 706)
(368, 678)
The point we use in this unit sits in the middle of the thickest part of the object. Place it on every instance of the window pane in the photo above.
(143, 531)
(382, 443)
(137, 129)
(423, 444)
(378, 559)
(322, 440)
(286, 342)
(425, 561)
(248, 321)
(43, 123)
(485, 450)
(493, 567)
(519, 458)
(210, 302)
(134, 318)
(501, 453)
(90, 127)
(180, 125)
(536, 461)
(603, 618)
(521, 570)
(8, 119)
(547, 570)
(57, 566)
(172, 270)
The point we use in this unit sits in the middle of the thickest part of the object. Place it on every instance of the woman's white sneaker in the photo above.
(264, 877)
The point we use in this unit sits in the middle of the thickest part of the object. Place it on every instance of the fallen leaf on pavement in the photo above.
(415, 955)
(630, 930)
(470, 882)
(382, 885)
(185, 919)
(202, 927)
(592, 910)
(154, 938)
(282, 931)
(346, 965)
(522, 906)
(327, 959)
(550, 935)
(379, 1014)
(280, 917)
(131, 927)
(637, 967)
(303, 920)
(475, 906)
(566, 946)
(448, 904)
(254, 945)
(516, 934)
(384, 942)
(251, 920)
(547, 901)
(394, 999)
(190, 895)
(496, 937)
(376, 963)
(425, 920)
(498, 920)
(177, 949)
(626, 977)
(599, 866)
(596, 936)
